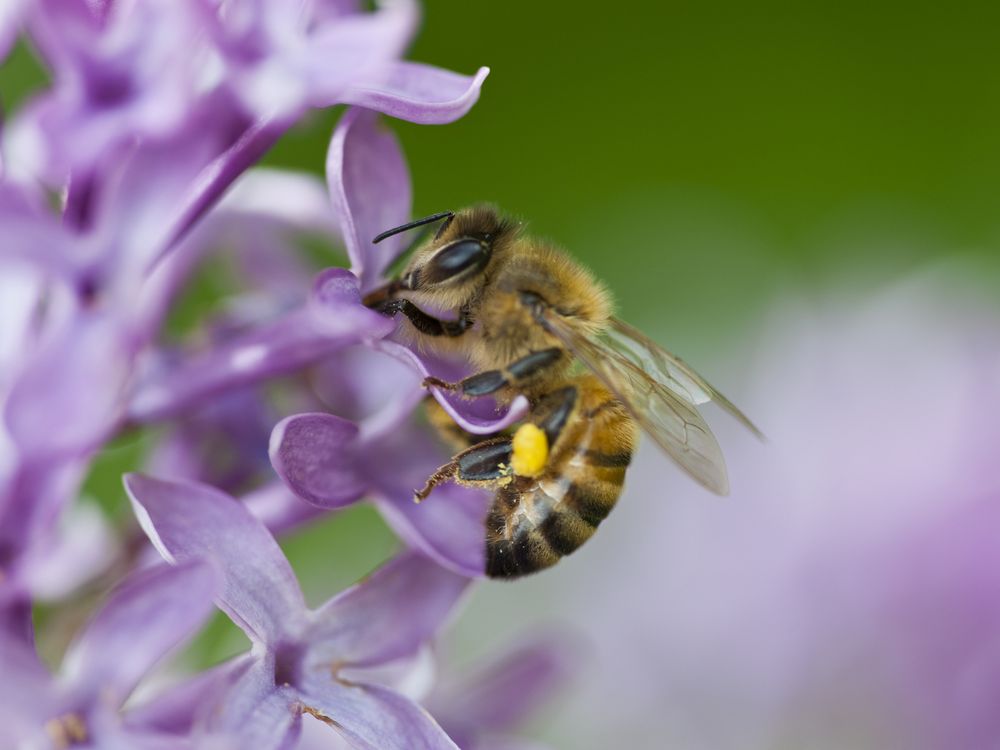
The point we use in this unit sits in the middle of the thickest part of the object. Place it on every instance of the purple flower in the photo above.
(482, 709)
(303, 660)
(149, 615)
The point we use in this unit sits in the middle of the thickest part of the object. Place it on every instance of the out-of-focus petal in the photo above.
(70, 394)
(81, 546)
(149, 615)
(333, 318)
(27, 691)
(371, 717)
(388, 615)
(178, 708)
(262, 715)
(500, 696)
(317, 456)
(279, 508)
(419, 93)
(192, 521)
(449, 526)
(472, 416)
(370, 191)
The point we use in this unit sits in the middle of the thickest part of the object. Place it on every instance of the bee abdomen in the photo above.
(534, 523)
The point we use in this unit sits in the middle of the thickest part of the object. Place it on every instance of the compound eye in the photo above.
(457, 258)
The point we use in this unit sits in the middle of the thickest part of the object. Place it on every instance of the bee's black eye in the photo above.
(458, 257)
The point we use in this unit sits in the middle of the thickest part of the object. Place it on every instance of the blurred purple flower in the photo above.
(482, 709)
(145, 618)
(849, 593)
(303, 660)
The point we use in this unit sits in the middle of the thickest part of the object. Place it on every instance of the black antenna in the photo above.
(413, 225)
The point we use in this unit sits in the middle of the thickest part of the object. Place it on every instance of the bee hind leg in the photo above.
(486, 464)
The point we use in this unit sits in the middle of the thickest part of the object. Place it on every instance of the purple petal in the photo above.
(419, 93)
(387, 616)
(333, 319)
(82, 545)
(192, 521)
(468, 414)
(370, 191)
(70, 394)
(449, 526)
(178, 708)
(503, 695)
(149, 615)
(262, 715)
(317, 457)
(371, 717)
(279, 509)
(27, 690)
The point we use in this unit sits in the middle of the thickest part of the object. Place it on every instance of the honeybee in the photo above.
(523, 314)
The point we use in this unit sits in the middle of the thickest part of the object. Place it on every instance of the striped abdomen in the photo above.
(534, 522)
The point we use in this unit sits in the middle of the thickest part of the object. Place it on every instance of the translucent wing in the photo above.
(669, 369)
(660, 390)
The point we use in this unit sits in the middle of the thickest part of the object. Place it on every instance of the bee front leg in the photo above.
(484, 464)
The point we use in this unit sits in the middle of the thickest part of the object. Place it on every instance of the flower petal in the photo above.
(262, 715)
(334, 318)
(448, 527)
(70, 394)
(500, 696)
(419, 93)
(387, 616)
(369, 185)
(150, 614)
(472, 416)
(192, 521)
(317, 457)
(371, 717)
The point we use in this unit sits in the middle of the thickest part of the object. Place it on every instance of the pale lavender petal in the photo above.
(264, 716)
(82, 545)
(449, 526)
(181, 706)
(370, 191)
(419, 93)
(503, 694)
(317, 455)
(333, 319)
(191, 521)
(150, 614)
(70, 394)
(27, 690)
(371, 717)
(387, 616)
(472, 416)
(279, 508)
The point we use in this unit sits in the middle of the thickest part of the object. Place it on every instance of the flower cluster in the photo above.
(119, 185)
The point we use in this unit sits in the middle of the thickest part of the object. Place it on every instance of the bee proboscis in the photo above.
(523, 313)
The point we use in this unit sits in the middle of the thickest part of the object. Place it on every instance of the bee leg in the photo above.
(426, 324)
(485, 463)
(448, 430)
(491, 381)
(553, 411)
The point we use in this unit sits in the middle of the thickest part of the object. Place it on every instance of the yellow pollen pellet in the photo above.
(530, 450)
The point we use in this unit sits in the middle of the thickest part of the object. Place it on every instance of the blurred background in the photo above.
(762, 187)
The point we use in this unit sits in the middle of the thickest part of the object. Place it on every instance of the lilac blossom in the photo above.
(143, 620)
(303, 660)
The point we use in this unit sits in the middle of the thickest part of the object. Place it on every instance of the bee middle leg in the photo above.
(486, 464)
(491, 381)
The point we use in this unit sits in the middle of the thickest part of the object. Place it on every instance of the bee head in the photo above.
(450, 269)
